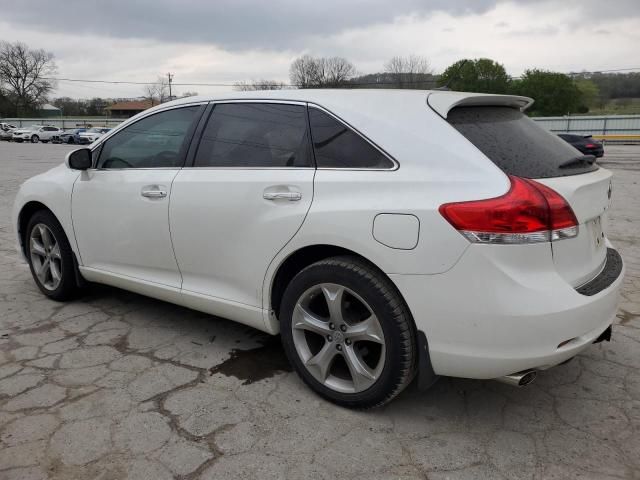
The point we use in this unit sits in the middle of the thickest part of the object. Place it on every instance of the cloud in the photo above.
(225, 41)
(230, 24)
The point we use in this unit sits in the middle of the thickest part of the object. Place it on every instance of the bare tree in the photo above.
(25, 74)
(336, 71)
(408, 72)
(258, 85)
(310, 72)
(157, 92)
(304, 72)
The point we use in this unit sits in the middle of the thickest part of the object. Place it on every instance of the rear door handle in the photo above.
(291, 196)
(154, 193)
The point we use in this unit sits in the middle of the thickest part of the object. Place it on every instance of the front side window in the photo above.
(337, 146)
(259, 135)
(157, 141)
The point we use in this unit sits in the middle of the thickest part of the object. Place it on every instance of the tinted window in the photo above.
(337, 146)
(255, 135)
(153, 142)
(517, 144)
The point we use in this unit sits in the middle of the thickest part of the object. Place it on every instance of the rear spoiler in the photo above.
(442, 102)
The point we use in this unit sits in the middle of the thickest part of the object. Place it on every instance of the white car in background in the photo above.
(93, 133)
(383, 234)
(6, 131)
(35, 133)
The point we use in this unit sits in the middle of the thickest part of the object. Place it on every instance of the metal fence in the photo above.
(65, 123)
(626, 127)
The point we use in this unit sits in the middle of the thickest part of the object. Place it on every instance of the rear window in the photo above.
(518, 145)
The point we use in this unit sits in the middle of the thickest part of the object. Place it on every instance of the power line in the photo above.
(346, 83)
(124, 82)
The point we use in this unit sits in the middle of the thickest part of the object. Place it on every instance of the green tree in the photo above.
(478, 75)
(590, 92)
(554, 93)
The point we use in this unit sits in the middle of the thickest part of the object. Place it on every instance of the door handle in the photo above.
(291, 196)
(154, 193)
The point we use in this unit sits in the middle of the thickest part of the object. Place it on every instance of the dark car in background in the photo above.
(71, 136)
(585, 143)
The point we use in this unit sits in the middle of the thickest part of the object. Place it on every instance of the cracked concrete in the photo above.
(115, 385)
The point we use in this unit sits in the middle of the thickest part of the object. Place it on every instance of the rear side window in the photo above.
(337, 146)
(518, 145)
(259, 135)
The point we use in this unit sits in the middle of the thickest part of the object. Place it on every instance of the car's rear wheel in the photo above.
(50, 257)
(35, 139)
(348, 333)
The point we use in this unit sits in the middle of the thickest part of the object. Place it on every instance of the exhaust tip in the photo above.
(520, 379)
(527, 378)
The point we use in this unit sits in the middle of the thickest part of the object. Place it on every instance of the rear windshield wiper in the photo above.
(574, 162)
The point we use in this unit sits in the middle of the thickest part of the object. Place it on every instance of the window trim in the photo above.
(193, 151)
(188, 135)
(396, 164)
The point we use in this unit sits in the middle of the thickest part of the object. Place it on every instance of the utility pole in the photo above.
(170, 76)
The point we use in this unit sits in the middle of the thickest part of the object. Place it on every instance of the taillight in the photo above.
(529, 212)
(590, 145)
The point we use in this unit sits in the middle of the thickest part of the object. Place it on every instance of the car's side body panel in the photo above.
(53, 190)
(118, 230)
(225, 232)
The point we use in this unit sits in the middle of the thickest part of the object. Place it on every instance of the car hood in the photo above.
(22, 130)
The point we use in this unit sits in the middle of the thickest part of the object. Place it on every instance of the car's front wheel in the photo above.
(50, 256)
(35, 139)
(348, 333)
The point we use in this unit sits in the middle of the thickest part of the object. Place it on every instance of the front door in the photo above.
(120, 208)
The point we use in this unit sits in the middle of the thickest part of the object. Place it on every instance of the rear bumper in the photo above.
(504, 309)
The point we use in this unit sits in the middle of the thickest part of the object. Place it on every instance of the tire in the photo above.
(367, 297)
(35, 139)
(66, 287)
(71, 141)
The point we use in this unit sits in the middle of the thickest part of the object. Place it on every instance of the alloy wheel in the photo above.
(45, 255)
(338, 338)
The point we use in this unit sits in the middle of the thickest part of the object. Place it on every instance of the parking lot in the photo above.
(115, 385)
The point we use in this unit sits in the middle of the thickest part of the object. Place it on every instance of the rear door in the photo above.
(520, 147)
(244, 197)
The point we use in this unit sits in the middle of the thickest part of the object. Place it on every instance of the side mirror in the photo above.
(80, 159)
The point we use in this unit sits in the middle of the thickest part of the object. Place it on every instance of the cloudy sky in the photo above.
(224, 41)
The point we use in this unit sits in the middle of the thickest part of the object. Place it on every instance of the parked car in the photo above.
(6, 131)
(35, 134)
(94, 133)
(386, 235)
(585, 143)
(71, 136)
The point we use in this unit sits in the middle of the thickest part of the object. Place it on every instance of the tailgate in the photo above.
(580, 259)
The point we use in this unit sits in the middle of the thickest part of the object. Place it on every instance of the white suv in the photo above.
(384, 234)
(35, 134)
